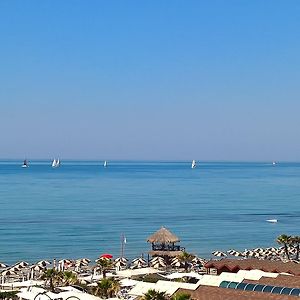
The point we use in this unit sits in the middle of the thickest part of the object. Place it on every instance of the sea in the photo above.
(82, 209)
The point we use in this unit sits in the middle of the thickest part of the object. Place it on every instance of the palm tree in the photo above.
(105, 264)
(106, 288)
(154, 295)
(51, 276)
(285, 240)
(69, 278)
(181, 296)
(296, 243)
(186, 258)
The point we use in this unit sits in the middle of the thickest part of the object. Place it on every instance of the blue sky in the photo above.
(210, 80)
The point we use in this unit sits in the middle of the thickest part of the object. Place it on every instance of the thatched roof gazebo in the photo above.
(163, 243)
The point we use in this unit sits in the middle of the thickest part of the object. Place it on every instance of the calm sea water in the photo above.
(81, 209)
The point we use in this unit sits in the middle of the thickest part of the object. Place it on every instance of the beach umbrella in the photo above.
(120, 264)
(21, 264)
(248, 253)
(234, 253)
(139, 263)
(8, 273)
(86, 260)
(258, 250)
(43, 263)
(158, 264)
(3, 265)
(219, 254)
(122, 259)
(106, 255)
(139, 259)
(175, 262)
(198, 261)
(157, 259)
(16, 269)
(65, 261)
(37, 268)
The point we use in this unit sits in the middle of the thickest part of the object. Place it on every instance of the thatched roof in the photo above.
(165, 253)
(163, 235)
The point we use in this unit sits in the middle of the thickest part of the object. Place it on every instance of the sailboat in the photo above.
(55, 163)
(105, 164)
(193, 164)
(25, 164)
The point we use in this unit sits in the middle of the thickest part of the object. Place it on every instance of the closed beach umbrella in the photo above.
(219, 254)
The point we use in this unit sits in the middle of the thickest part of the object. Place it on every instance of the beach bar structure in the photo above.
(164, 244)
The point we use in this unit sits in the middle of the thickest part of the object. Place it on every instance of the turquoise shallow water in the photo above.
(81, 209)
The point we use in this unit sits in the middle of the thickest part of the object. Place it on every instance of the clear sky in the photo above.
(205, 80)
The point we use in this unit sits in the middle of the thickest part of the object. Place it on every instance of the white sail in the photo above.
(54, 163)
(193, 164)
(105, 164)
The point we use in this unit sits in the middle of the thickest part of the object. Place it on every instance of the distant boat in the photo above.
(55, 163)
(105, 164)
(274, 163)
(25, 164)
(193, 164)
(272, 220)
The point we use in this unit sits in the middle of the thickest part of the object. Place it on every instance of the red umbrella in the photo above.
(106, 255)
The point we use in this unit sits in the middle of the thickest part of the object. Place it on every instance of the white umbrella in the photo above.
(139, 263)
(43, 263)
(37, 267)
(8, 272)
(258, 250)
(139, 259)
(158, 264)
(234, 252)
(16, 269)
(3, 265)
(22, 264)
(219, 254)
(175, 262)
(121, 259)
(198, 261)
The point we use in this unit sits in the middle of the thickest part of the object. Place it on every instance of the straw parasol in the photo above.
(163, 236)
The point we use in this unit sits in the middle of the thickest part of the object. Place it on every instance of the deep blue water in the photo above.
(81, 209)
